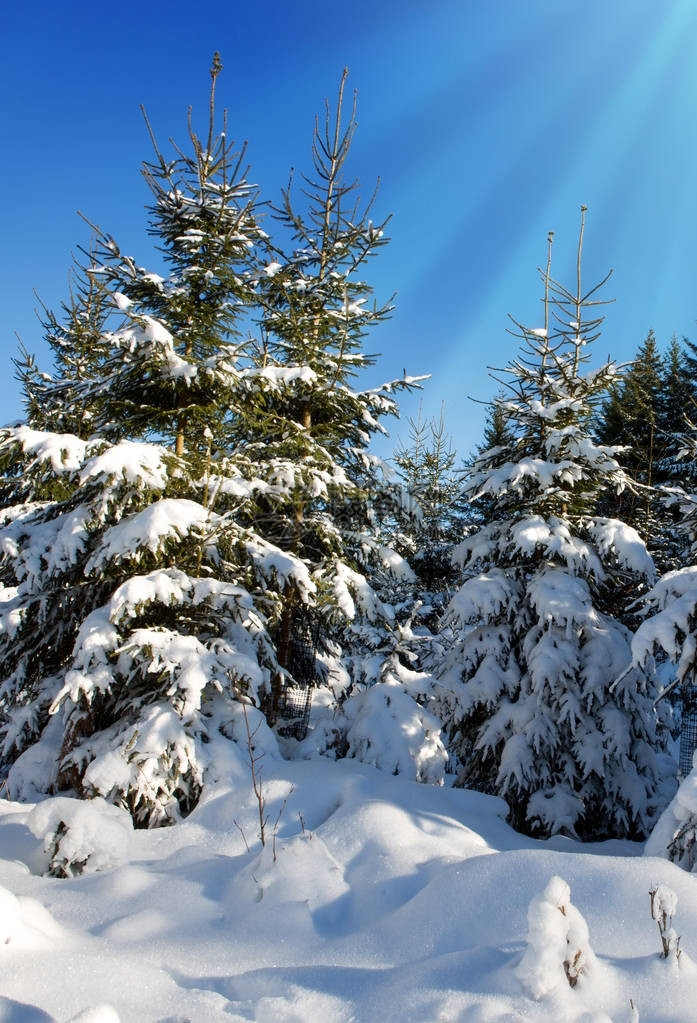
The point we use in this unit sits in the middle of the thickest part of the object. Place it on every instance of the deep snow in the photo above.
(387, 901)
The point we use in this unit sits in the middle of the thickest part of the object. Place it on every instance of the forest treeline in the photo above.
(198, 543)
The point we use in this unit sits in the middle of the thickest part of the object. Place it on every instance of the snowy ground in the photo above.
(387, 901)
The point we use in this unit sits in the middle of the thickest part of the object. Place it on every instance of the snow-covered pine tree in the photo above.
(497, 434)
(307, 423)
(135, 594)
(677, 410)
(669, 630)
(158, 541)
(534, 710)
(76, 346)
(676, 470)
(426, 466)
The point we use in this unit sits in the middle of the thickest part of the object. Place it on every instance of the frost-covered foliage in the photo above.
(112, 656)
(664, 904)
(534, 711)
(135, 596)
(671, 623)
(81, 836)
(179, 498)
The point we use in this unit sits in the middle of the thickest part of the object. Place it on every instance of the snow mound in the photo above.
(99, 1014)
(26, 924)
(373, 898)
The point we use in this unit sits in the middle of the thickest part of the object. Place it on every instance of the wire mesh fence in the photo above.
(688, 730)
(294, 710)
(295, 703)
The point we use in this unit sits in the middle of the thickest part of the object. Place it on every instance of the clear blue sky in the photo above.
(489, 123)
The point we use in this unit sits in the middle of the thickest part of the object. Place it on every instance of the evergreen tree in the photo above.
(689, 367)
(306, 422)
(630, 419)
(534, 712)
(426, 467)
(497, 435)
(177, 493)
(497, 430)
(669, 631)
(647, 414)
(138, 602)
(676, 407)
(674, 471)
(75, 343)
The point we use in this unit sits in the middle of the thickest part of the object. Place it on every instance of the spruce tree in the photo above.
(426, 467)
(138, 602)
(647, 415)
(689, 367)
(677, 405)
(669, 631)
(306, 421)
(181, 492)
(534, 712)
(497, 434)
(630, 419)
(675, 470)
(75, 343)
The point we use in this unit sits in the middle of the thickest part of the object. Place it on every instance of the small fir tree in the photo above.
(60, 401)
(497, 434)
(675, 470)
(426, 468)
(677, 405)
(534, 710)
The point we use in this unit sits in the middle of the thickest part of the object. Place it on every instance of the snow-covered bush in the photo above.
(675, 835)
(386, 727)
(81, 836)
(381, 719)
(558, 950)
(664, 904)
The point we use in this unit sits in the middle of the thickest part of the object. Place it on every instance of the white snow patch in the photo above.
(378, 899)
(151, 528)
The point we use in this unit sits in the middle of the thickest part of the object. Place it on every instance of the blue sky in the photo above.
(489, 123)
